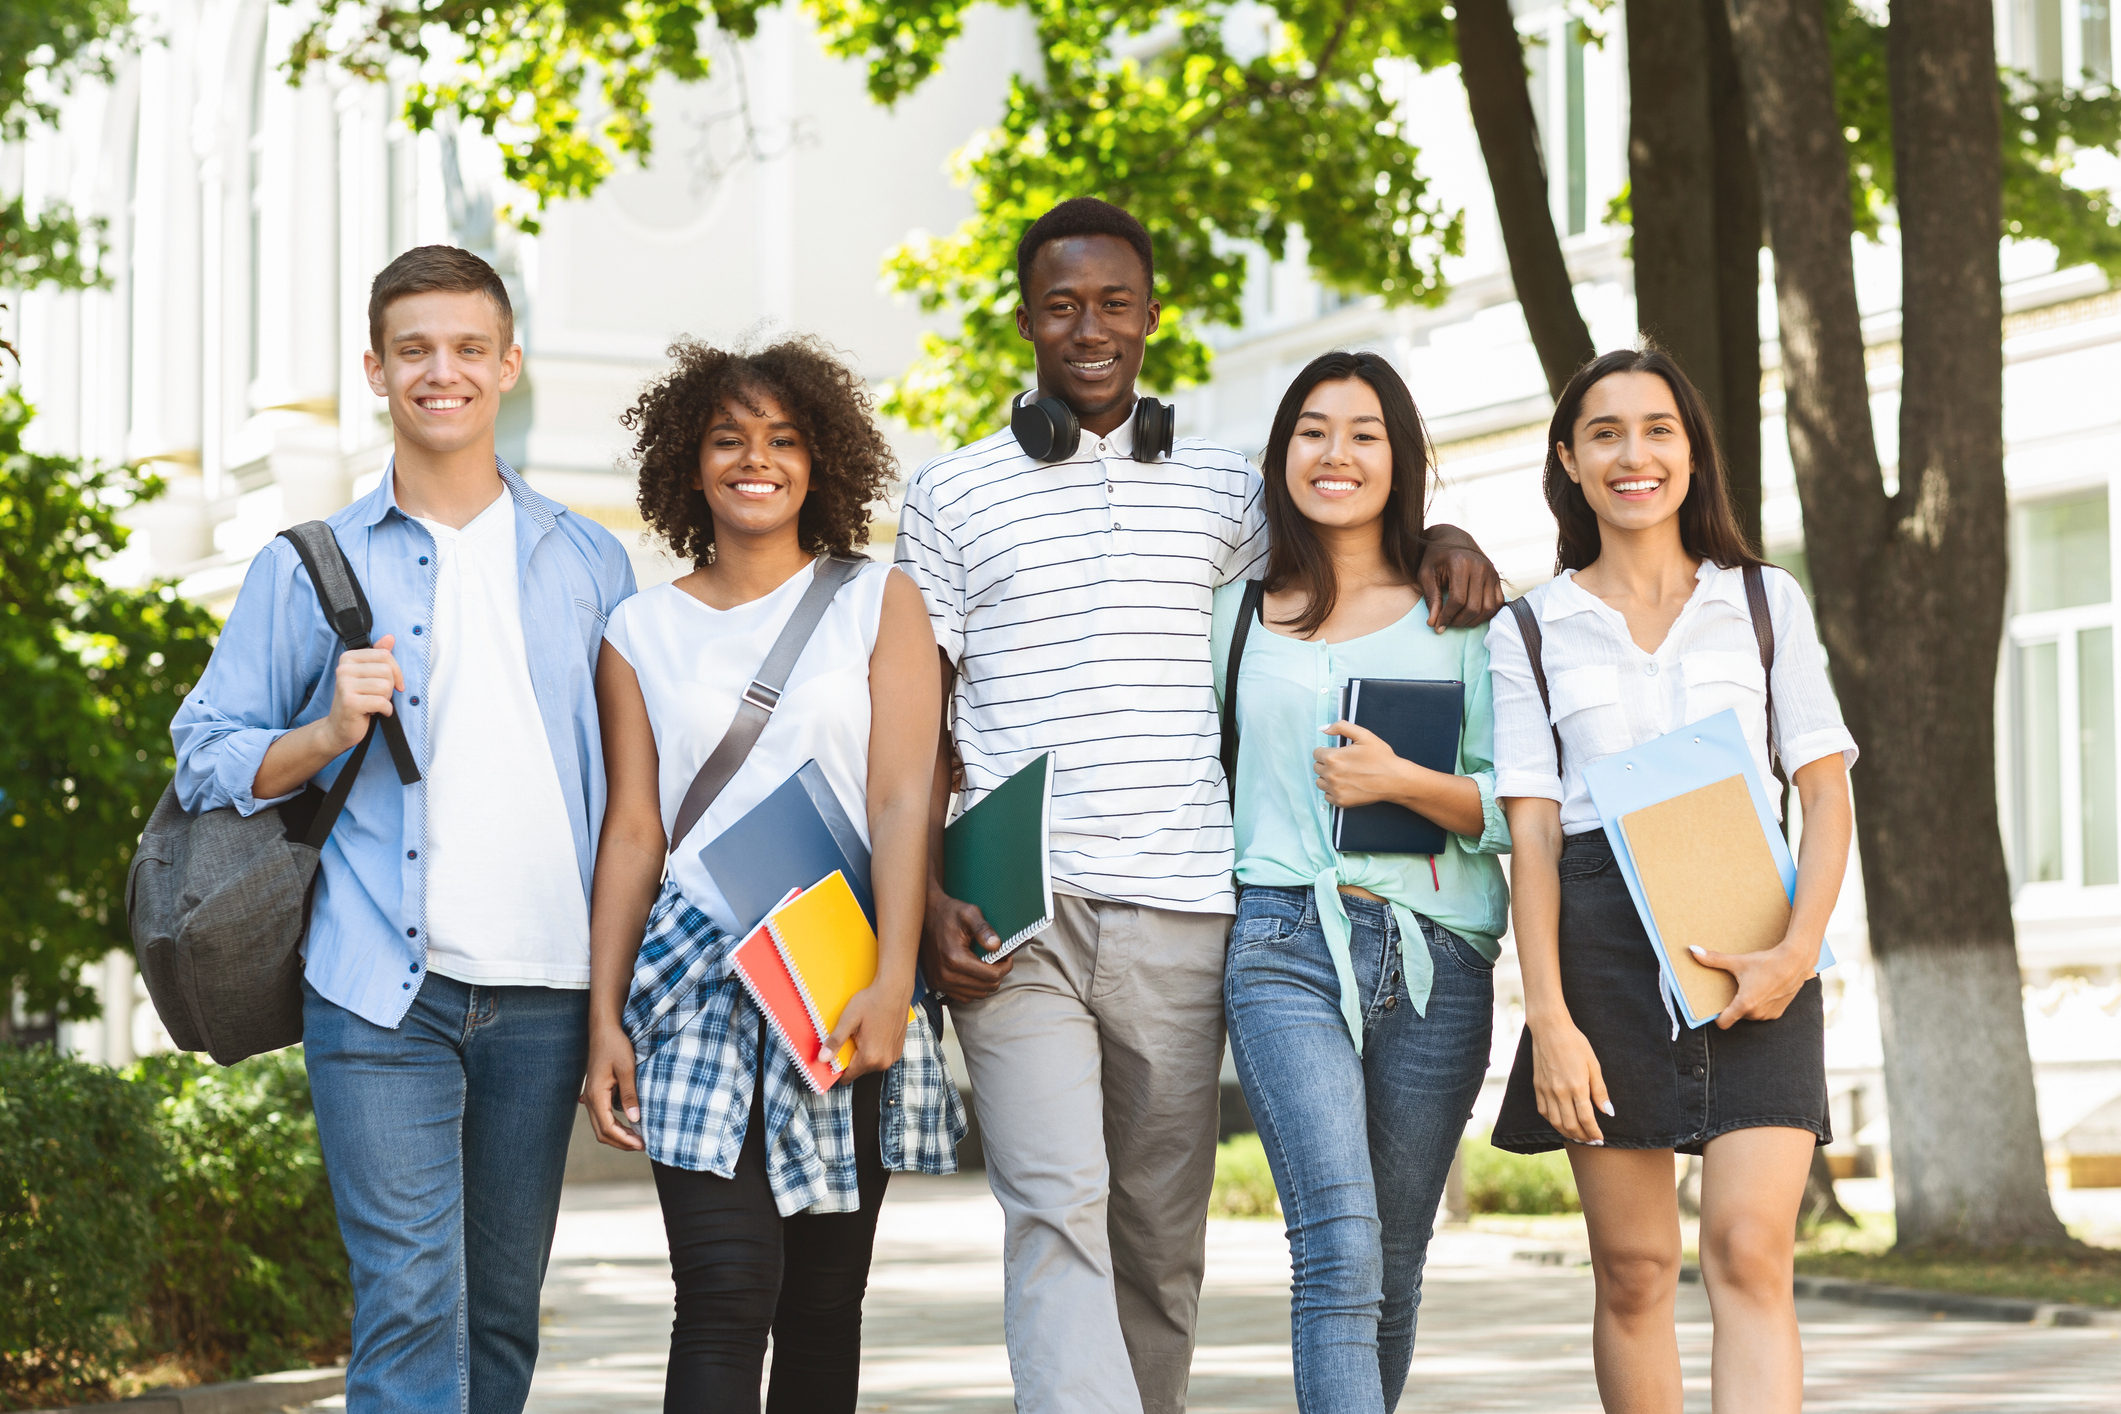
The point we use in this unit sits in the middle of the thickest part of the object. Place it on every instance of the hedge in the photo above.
(174, 1211)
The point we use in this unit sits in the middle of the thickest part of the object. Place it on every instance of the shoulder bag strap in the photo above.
(1534, 651)
(762, 696)
(1248, 608)
(1764, 634)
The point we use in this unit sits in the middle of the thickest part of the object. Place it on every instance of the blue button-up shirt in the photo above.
(274, 669)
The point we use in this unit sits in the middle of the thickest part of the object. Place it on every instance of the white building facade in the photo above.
(246, 219)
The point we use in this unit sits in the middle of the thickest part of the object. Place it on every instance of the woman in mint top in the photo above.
(1359, 987)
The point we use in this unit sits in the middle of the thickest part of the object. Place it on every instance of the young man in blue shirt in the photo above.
(447, 962)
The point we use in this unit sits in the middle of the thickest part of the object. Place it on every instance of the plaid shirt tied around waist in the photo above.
(695, 1034)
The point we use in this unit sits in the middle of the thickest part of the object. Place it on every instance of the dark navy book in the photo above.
(1421, 722)
(792, 839)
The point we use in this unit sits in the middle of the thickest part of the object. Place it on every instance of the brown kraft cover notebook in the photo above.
(1710, 882)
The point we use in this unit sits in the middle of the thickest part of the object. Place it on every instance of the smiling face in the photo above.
(754, 469)
(444, 366)
(1088, 313)
(1630, 454)
(1339, 457)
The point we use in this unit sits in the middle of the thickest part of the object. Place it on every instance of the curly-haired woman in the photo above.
(758, 467)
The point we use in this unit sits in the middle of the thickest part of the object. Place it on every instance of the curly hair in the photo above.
(850, 462)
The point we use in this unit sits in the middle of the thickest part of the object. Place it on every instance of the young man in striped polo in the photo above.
(1070, 596)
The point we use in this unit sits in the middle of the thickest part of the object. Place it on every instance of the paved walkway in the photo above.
(1496, 1334)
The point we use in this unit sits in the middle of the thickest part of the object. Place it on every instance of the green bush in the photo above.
(250, 1276)
(78, 1172)
(1502, 1182)
(1244, 1185)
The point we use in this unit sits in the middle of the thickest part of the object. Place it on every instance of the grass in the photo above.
(1244, 1185)
(2088, 1276)
(1517, 1184)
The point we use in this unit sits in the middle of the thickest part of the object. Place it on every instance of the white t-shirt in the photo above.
(1610, 696)
(504, 890)
(1075, 599)
(695, 661)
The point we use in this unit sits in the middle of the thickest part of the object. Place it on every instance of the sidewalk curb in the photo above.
(267, 1394)
(1962, 1305)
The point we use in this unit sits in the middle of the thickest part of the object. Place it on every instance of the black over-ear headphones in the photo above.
(1048, 430)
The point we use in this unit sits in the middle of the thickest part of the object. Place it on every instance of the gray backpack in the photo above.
(218, 903)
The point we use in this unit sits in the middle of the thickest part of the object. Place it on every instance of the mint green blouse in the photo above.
(1285, 824)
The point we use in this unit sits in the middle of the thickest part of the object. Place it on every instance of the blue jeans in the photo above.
(1361, 1144)
(445, 1141)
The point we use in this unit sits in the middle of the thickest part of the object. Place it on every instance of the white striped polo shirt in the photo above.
(1075, 598)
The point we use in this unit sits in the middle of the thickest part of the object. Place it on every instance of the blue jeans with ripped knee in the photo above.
(1360, 1144)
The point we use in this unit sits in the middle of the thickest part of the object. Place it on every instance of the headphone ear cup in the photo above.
(1155, 429)
(1046, 428)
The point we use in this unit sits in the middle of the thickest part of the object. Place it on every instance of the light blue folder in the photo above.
(1698, 754)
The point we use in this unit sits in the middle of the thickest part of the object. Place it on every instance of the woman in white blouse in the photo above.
(1646, 628)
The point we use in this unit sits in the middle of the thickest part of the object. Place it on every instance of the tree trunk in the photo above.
(1967, 1160)
(1737, 274)
(1821, 1204)
(1671, 186)
(1491, 65)
(1911, 587)
(1695, 195)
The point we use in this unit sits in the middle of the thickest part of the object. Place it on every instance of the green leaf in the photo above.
(90, 675)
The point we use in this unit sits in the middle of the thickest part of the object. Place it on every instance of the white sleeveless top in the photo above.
(694, 663)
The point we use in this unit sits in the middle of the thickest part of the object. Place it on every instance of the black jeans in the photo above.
(743, 1271)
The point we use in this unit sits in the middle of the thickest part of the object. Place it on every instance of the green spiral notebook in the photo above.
(998, 856)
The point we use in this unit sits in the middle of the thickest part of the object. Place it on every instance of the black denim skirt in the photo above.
(1666, 1094)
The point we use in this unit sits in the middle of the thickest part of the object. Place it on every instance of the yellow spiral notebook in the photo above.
(825, 939)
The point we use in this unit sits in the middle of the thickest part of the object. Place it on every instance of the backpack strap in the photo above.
(763, 695)
(346, 609)
(1764, 634)
(1248, 608)
(1534, 650)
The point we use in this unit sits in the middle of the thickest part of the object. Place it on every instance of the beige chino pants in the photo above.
(1094, 1072)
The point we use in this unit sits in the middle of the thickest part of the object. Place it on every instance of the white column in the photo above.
(166, 295)
(771, 65)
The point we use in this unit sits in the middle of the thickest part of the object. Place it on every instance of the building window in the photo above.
(2096, 29)
(2036, 38)
(1572, 70)
(254, 194)
(2062, 691)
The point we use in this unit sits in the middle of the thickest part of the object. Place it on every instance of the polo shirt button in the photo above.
(413, 700)
(406, 985)
(412, 932)
(414, 968)
(1649, 669)
(416, 630)
(412, 854)
(423, 559)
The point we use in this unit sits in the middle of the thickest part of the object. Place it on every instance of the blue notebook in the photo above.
(1421, 721)
(790, 840)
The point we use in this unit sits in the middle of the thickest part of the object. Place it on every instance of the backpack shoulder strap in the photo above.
(346, 610)
(1534, 651)
(1764, 634)
(763, 695)
(1248, 609)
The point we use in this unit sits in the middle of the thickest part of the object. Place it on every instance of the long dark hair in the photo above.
(1296, 559)
(1708, 526)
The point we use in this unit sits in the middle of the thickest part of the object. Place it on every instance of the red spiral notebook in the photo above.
(765, 975)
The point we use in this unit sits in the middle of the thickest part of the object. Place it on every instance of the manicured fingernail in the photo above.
(1597, 1143)
(1608, 1108)
(1696, 950)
